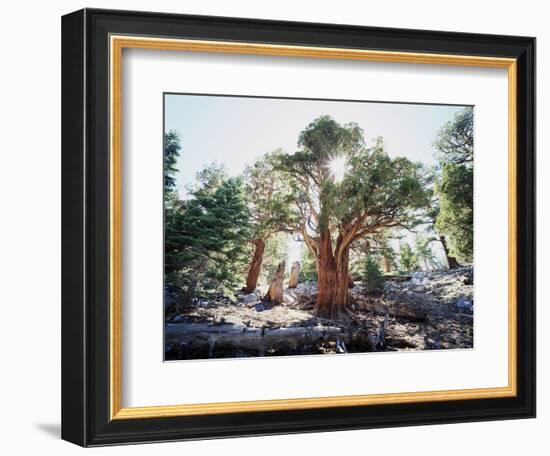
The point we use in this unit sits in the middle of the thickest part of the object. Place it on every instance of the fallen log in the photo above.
(183, 330)
(240, 337)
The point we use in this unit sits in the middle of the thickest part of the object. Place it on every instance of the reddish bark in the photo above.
(255, 265)
(333, 282)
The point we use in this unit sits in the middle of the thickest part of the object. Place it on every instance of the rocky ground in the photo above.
(422, 311)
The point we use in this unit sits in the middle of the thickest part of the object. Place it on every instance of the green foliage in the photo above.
(208, 180)
(372, 275)
(173, 208)
(213, 236)
(455, 141)
(456, 214)
(269, 197)
(335, 186)
(424, 252)
(455, 187)
(374, 192)
(206, 235)
(308, 270)
(383, 248)
(407, 258)
(172, 148)
(375, 248)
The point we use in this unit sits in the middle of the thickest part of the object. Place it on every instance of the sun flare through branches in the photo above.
(338, 167)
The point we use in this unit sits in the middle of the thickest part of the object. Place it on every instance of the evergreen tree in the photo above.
(455, 141)
(172, 148)
(424, 252)
(407, 258)
(456, 215)
(212, 240)
(455, 187)
(345, 191)
(205, 235)
(372, 275)
(381, 243)
(308, 271)
(269, 202)
(173, 207)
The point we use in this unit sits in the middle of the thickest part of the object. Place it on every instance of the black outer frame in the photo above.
(85, 227)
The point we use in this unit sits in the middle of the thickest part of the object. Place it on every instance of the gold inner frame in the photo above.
(117, 44)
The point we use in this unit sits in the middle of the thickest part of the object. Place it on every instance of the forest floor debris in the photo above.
(421, 311)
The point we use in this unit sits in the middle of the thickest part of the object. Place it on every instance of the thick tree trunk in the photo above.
(451, 260)
(344, 280)
(333, 283)
(294, 275)
(255, 266)
(275, 292)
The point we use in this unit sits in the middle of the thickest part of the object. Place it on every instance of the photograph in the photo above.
(283, 223)
(304, 226)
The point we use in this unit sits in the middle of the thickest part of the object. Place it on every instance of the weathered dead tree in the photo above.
(275, 292)
(294, 275)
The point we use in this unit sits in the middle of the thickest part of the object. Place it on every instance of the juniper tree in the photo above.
(424, 252)
(205, 234)
(269, 202)
(212, 239)
(407, 258)
(345, 191)
(455, 188)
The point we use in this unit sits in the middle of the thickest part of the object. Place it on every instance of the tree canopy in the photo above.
(345, 191)
(205, 235)
(455, 186)
(455, 141)
(337, 193)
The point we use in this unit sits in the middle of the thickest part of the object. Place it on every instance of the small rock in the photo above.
(289, 297)
(250, 298)
(464, 303)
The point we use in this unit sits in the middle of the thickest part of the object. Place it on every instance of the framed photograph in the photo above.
(279, 227)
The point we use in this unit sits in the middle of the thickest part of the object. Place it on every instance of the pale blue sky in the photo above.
(236, 130)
